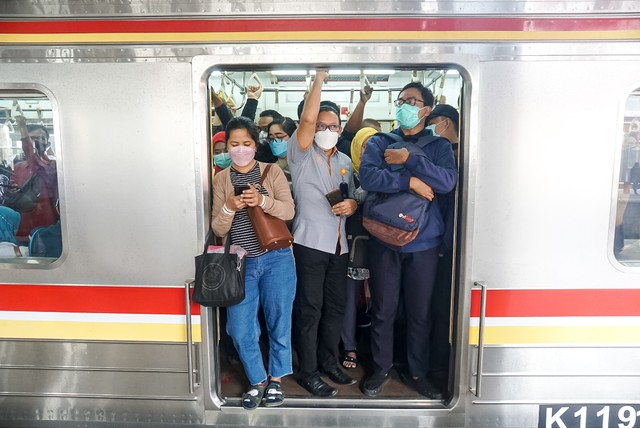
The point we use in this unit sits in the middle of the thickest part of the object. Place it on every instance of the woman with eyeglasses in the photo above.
(279, 131)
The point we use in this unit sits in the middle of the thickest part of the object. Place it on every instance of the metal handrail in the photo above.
(190, 370)
(483, 309)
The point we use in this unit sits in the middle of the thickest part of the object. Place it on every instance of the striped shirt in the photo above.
(242, 232)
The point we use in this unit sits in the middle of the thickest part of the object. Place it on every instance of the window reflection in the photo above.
(627, 228)
(29, 209)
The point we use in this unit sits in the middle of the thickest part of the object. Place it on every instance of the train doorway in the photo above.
(367, 94)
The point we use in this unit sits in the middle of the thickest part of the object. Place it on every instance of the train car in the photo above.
(545, 308)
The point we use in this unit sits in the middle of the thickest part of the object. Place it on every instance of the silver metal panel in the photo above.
(205, 8)
(129, 195)
(554, 166)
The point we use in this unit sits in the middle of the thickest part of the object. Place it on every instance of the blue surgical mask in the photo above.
(222, 160)
(278, 147)
(407, 116)
(432, 128)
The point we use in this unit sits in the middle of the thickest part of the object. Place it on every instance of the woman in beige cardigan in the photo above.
(270, 276)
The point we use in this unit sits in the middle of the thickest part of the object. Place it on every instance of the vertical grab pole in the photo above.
(483, 310)
(187, 295)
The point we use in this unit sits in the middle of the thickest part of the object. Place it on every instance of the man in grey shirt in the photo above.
(320, 248)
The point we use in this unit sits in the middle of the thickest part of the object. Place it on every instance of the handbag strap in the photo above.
(264, 173)
(211, 240)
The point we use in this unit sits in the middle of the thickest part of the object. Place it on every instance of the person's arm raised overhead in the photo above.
(354, 123)
(309, 116)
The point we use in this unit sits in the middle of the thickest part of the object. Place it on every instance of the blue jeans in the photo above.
(270, 281)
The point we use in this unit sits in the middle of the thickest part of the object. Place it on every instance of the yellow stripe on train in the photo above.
(302, 36)
(558, 335)
(97, 331)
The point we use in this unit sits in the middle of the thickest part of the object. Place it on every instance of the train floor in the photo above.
(234, 382)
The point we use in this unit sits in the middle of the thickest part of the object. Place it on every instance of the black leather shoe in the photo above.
(317, 386)
(339, 377)
(428, 389)
(372, 386)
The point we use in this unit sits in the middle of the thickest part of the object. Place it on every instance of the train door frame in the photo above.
(466, 65)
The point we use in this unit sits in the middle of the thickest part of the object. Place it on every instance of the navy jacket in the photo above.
(430, 160)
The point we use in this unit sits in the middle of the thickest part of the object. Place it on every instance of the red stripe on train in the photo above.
(317, 24)
(93, 299)
(558, 303)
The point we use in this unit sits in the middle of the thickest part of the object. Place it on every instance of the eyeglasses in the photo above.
(411, 101)
(276, 136)
(324, 126)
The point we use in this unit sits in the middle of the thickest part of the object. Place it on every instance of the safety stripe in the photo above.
(558, 322)
(94, 299)
(313, 29)
(287, 24)
(558, 303)
(97, 331)
(87, 317)
(344, 36)
(559, 335)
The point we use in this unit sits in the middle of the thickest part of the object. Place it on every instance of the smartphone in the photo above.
(334, 197)
(237, 190)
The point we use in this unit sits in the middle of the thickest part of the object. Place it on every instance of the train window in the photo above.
(626, 242)
(30, 231)
(365, 97)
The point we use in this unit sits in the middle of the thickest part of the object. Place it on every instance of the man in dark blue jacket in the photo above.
(424, 165)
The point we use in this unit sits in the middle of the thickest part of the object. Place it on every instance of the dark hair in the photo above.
(332, 107)
(324, 106)
(427, 95)
(32, 127)
(371, 123)
(271, 113)
(242, 122)
(286, 123)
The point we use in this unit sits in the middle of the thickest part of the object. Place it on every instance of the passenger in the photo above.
(9, 222)
(264, 152)
(270, 277)
(354, 123)
(221, 158)
(279, 131)
(320, 248)
(358, 270)
(371, 123)
(35, 141)
(412, 267)
(443, 121)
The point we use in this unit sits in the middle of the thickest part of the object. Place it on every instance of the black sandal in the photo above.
(349, 362)
(252, 398)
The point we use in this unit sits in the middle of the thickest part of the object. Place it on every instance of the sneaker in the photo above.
(372, 386)
(339, 377)
(428, 389)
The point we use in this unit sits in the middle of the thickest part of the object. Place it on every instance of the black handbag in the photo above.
(23, 198)
(219, 276)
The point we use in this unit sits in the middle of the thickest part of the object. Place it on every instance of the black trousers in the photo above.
(414, 273)
(319, 307)
(441, 318)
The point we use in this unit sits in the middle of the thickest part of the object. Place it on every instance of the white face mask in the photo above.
(326, 139)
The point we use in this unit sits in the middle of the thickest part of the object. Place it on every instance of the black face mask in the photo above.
(41, 147)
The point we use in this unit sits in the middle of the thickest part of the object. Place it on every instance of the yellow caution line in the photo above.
(97, 331)
(303, 36)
